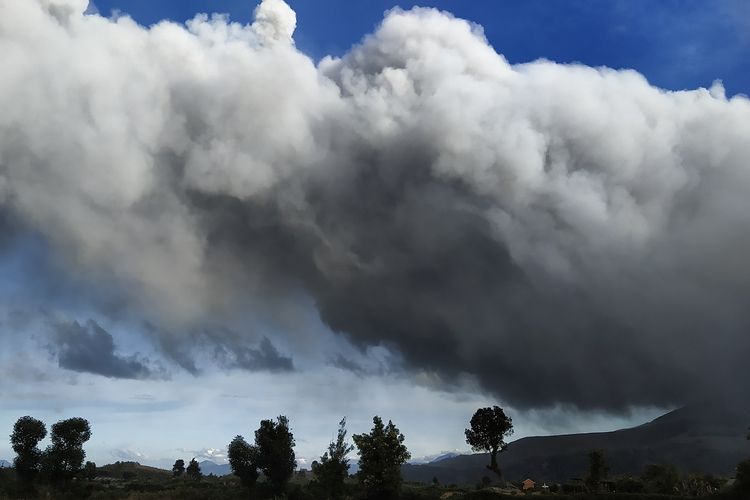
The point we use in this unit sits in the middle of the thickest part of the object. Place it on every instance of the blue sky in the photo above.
(676, 44)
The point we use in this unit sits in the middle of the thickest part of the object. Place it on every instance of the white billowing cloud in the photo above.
(275, 21)
(206, 167)
(217, 455)
(98, 103)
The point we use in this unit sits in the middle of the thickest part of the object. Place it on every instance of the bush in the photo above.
(629, 484)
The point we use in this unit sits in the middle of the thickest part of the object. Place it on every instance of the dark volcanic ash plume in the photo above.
(566, 234)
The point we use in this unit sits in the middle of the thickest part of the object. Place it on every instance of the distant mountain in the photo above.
(209, 467)
(444, 456)
(434, 458)
(705, 438)
(5, 463)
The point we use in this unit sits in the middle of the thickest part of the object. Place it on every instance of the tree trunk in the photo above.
(493, 463)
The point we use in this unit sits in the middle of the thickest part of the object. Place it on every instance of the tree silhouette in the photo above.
(488, 429)
(63, 459)
(275, 444)
(193, 470)
(27, 432)
(333, 468)
(742, 475)
(178, 468)
(598, 470)
(660, 478)
(243, 459)
(742, 478)
(89, 471)
(381, 454)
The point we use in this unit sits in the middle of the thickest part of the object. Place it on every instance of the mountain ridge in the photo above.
(707, 438)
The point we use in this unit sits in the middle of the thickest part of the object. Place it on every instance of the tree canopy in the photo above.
(243, 459)
(63, 459)
(333, 468)
(488, 429)
(742, 482)
(275, 444)
(89, 471)
(661, 478)
(598, 470)
(381, 454)
(193, 470)
(178, 468)
(27, 433)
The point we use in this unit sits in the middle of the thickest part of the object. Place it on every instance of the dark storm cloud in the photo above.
(565, 234)
(88, 348)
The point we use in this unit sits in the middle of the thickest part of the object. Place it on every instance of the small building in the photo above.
(528, 485)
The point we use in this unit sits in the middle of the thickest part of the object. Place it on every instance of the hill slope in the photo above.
(133, 470)
(702, 438)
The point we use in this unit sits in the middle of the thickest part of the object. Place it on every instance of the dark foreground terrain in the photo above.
(150, 487)
(132, 481)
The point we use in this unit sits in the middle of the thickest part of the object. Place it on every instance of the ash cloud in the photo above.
(89, 348)
(568, 235)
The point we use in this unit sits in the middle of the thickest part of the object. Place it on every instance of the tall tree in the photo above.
(333, 468)
(27, 432)
(598, 470)
(488, 429)
(193, 470)
(275, 444)
(381, 454)
(178, 468)
(243, 459)
(63, 459)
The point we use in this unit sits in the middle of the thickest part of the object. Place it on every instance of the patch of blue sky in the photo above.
(676, 44)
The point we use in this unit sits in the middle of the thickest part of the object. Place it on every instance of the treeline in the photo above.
(61, 461)
(381, 454)
(56, 466)
(265, 466)
(655, 479)
(60, 467)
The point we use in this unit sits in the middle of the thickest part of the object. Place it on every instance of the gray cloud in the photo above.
(264, 357)
(128, 455)
(89, 348)
(344, 363)
(369, 365)
(565, 234)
